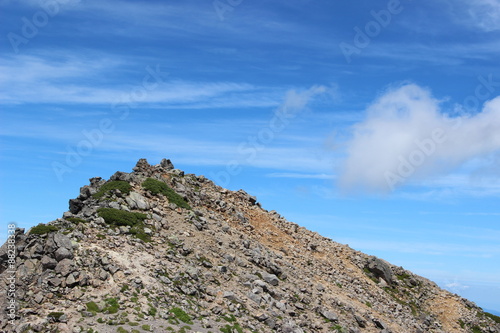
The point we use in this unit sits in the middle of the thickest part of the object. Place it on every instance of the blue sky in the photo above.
(375, 123)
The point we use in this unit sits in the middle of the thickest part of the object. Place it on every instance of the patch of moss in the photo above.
(338, 328)
(152, 311)
(181, 315)
(146, 327)
(56, 315)
(42, 229)
(112, 305)
(92, 307)
(121, 330)
(155, 186)
(121, 185)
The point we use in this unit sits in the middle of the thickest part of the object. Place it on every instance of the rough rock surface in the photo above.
(224, 264)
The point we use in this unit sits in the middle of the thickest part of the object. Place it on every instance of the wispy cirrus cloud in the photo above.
(74, 79)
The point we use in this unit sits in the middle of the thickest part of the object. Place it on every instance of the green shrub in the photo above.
(119, 217)
(155, 186)
(121, 330)
(121, 185)
(42, 229)
(75, 220)
(146, 327)
(181, 315)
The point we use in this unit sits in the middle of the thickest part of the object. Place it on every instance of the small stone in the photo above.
(271, 279)
(329, 315)
(229, 295)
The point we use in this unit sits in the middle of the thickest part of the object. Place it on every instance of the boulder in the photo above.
(63, 253)
(380, 269)
(166, 164)
(64, 267)
(137, 201)
(48, 262)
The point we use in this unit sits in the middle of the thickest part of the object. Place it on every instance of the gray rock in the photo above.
(48, 262)
(119, 175)
(75, 206)
(329, 315)
(229, 295)
(56, 282)
(380, 269)
(142, 165)
(361, 322)
(64, 267)
(379, 323)
(166, 164)
(254, 297)
(71, 281)
(271, 279)
(137, 201)
(62, 241)
(261, 316)
(63, 253)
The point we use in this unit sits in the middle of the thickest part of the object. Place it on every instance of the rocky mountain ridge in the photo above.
(158, 250)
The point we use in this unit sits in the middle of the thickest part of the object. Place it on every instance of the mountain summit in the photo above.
(158, 250)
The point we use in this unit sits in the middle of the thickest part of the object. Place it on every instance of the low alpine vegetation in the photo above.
(117, 217)
(42, 229)
(155, 186)
(121, 185)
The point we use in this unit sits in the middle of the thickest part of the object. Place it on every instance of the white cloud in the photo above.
(406, 136)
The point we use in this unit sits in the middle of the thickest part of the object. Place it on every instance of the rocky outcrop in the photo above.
(182, 251)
